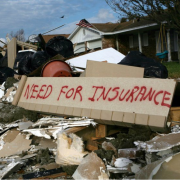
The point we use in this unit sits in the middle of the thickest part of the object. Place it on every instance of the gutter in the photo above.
(127, 30)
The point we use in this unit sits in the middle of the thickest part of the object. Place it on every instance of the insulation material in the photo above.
(160, 142)
(90, 168)
(64, 123)
(70, 149)
(38, 133)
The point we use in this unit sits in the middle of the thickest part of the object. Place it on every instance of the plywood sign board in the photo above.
(115, 101)
(103, 69)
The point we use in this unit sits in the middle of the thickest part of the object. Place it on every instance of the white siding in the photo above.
(79, 48)
(94, 44)
(85, 34)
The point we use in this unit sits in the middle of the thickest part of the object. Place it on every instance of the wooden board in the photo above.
(114, 101)
(11, 50)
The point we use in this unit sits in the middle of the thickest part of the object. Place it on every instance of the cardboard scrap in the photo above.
(101, 69)
(89, 168)
(70, 149)
(160, 143)
(15, 143)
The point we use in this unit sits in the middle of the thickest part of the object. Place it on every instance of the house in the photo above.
(141, 35)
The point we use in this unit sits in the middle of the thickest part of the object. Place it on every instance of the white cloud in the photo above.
(103, 16)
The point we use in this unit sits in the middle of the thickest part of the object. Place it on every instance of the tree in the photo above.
(19, 35)
(157, 10)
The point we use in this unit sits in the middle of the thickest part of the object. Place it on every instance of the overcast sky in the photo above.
(40, 16)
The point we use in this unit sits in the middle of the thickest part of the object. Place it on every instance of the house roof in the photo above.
(48, 37)
(113, 27)
(117, 28)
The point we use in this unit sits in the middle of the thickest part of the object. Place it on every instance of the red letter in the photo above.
(27, 91)
(61, 92)
(150, 94)
(142, 93)
(34, 90)
(121, 99)
(78, 89)
(47, 91)
(132, 93)
(116, 89)
(72, 89)
(41, 90)
(160, 92)
(165, 98)
(97, 87)
(103, 94)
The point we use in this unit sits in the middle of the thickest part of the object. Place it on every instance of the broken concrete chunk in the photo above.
(70, 149)
(131, 153)
(108, 146)
(90, 168)
(160, 142)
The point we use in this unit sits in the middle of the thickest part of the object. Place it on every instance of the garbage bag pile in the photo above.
(152, 68)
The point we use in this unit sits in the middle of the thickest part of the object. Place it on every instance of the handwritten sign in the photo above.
(135, 95)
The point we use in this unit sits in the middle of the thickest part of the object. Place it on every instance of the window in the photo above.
(145, 39)
(134, 42)
(131, 41)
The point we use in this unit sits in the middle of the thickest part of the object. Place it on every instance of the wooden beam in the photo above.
(101, 130)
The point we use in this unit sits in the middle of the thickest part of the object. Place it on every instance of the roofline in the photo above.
(77, 29)
(130, 29)
(112, 33)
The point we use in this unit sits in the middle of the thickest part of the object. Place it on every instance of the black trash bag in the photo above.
(38, 59)
(24, 66)
(152, 68)
(59, 45)
(22, 55)
(6, 72)
(1, 56)
(4, 61)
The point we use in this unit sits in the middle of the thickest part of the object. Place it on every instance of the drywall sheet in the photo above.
(109, 99)
(11, 50)
(109, 54)
(103, 69)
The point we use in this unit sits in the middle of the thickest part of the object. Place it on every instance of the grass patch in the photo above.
(173, 69)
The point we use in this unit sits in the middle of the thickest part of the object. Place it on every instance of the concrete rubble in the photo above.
(40, 139)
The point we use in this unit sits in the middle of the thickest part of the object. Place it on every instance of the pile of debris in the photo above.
(106, 122)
